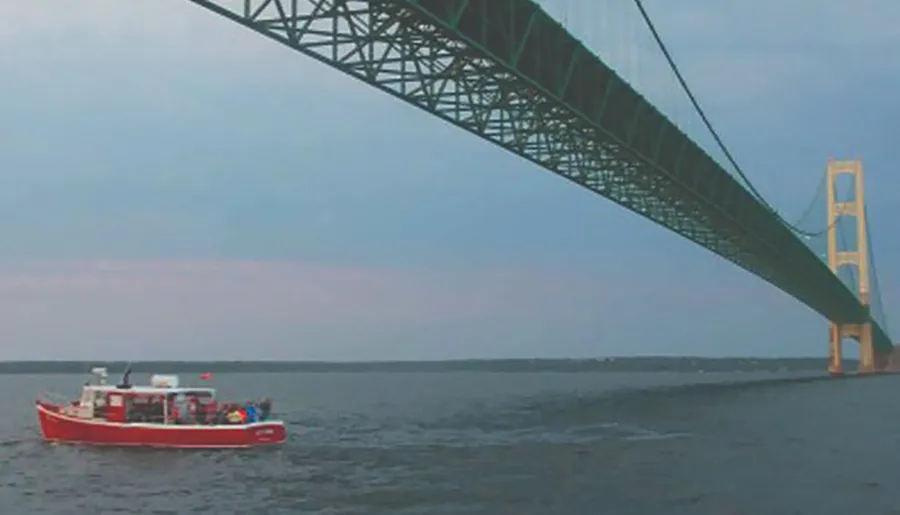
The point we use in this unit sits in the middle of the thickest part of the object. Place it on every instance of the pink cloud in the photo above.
(295, 292)
(70, 309)
(261, 309)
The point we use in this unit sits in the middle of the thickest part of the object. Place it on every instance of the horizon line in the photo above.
(449, 360)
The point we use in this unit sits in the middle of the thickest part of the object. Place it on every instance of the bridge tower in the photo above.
(857, 257)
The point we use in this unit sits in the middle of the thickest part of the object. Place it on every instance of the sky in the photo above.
(175, 186)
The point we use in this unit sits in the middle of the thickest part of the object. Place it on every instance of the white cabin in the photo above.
(157, 403)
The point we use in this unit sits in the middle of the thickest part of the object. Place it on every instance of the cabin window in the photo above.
(144, 408)
(115, 401)
(204, 398)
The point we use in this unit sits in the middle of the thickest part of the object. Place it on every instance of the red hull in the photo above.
(57, 427)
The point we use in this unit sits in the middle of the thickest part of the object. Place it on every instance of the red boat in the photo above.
(161, 414)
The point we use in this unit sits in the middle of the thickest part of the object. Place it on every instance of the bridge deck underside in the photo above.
(507, 72)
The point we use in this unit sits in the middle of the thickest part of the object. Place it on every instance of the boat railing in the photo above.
(53, 398)
(144, 418)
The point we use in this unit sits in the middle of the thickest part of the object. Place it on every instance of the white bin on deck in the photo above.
(161, 381)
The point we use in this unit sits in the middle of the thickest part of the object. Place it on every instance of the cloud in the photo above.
(172, 304)
(291, 292)
(292, 310)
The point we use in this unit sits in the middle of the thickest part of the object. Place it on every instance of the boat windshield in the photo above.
(144, 408)
(180, 406)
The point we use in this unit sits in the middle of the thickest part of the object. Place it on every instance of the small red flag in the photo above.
(206, 376)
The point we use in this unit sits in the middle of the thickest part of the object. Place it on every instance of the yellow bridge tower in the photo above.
(857, 257)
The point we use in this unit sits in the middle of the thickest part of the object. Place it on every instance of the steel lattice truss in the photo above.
(438, 55)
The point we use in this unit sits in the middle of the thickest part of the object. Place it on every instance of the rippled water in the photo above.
(513, 443)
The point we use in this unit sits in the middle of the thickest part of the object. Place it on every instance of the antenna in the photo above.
(125, 377)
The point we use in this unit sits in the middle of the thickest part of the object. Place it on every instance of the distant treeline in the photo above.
(630, 364)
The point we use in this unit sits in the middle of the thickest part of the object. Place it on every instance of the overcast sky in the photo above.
(176, 186)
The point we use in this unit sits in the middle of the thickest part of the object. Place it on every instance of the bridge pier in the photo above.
(866, 349)
(835, 351)
(862, 333)
(882, 361)
(857, 258)
(890, 361)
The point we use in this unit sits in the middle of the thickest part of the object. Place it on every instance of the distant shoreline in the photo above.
(611, 364)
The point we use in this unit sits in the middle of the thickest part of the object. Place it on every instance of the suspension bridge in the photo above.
(509, 72)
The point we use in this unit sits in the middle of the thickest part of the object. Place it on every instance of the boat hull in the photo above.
(56, 426)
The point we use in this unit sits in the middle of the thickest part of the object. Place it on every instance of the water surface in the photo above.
(486, 442)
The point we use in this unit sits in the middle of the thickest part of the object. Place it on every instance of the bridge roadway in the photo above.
(509, 73)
